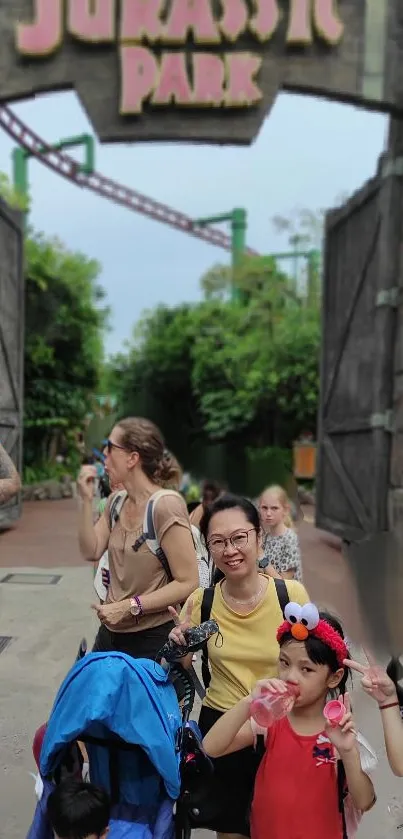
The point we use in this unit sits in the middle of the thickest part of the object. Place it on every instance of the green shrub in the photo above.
(267, 466)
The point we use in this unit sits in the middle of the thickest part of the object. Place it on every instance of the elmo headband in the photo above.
(303, 621)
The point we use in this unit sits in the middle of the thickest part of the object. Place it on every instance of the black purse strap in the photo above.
(282, 593)
(205, 612)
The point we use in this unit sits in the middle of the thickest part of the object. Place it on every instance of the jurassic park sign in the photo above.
(199, 70)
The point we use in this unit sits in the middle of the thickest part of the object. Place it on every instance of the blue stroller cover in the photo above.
(113, 702)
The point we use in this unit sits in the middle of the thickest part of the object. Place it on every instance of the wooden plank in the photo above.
(385, 324)
(350, 425)
(344, 530)
(338, 215)
(382, 270)
(8, 371)
(349, 490)
(13, 366)
(350, 313)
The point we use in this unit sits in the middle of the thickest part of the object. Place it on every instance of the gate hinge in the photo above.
(388, 297)
(383, 422)
(392, 167)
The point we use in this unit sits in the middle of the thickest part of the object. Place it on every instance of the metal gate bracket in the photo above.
(383, 422)
(392, 167)
(388, 297)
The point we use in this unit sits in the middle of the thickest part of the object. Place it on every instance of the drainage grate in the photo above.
(32, 579)
(5, 640)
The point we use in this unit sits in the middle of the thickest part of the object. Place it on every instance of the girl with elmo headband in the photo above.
(313, 778)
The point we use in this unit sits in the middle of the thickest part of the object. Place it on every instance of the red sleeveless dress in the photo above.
(295, 793)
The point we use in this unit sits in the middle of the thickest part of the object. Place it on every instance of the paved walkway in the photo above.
(47, 623)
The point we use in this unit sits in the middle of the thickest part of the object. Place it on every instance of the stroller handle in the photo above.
(82, 649)
(182, 678)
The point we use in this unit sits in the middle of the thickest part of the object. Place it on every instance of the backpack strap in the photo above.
(149, 530)
(149, 534)
(282, 593)
(283, 599)
(116, 508)
(205, 612)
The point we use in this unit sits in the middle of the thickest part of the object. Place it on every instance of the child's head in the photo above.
(312, 650)
(210, 491)
(77, 810)
(274, 508)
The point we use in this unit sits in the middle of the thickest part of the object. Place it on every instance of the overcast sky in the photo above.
(307, 154)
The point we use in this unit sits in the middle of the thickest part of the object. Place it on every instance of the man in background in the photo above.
(10, 482)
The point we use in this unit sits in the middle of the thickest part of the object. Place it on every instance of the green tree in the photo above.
(65, 322)
(218, 371)
(64, 330)
(153, 377)
(256, 366)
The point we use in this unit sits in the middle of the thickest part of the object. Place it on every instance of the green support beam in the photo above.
(239, 224)
(21, 157)
(313, 259)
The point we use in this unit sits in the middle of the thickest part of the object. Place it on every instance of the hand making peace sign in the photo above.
(375, 679)
(177, 633)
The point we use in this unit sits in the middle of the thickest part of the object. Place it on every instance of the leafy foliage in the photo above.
(64, 343)
(218, 370)
(64, 330)
(11, 196)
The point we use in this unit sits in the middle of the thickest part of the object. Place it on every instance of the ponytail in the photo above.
(395, 672)
(169, 472)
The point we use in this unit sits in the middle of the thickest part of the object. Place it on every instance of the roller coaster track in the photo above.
(68, 168)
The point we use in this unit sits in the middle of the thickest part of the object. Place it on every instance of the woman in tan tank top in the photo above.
(135, 617)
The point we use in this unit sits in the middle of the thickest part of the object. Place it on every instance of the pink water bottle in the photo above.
(269, 707)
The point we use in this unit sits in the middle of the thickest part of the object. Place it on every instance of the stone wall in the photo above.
(50, 490)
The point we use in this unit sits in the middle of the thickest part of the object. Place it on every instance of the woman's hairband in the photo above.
(304, 621)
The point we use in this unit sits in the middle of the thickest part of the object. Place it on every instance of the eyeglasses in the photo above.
(109, 444)
(239, 541)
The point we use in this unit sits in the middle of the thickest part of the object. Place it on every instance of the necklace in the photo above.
(251, 600)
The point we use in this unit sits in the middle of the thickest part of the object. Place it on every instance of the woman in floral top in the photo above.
(280, 542)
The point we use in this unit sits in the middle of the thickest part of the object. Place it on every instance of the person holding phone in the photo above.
(135, 618)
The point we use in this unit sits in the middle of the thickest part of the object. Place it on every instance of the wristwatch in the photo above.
(136, 608)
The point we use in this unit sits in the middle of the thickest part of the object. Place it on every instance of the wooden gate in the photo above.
(358, 330)
(11, 344)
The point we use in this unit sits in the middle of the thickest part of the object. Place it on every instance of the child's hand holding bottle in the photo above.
(271, 700)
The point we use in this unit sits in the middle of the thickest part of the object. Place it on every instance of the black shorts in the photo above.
(142, 644)
(231, 792)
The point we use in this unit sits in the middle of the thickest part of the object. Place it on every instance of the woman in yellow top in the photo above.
(248, 612)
